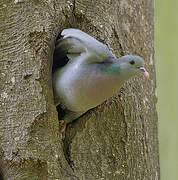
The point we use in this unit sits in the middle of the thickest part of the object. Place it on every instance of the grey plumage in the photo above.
(92, 75)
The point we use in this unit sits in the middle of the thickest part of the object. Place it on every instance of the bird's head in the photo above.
(130, 65)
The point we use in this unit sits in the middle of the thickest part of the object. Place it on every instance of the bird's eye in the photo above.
(132, 62)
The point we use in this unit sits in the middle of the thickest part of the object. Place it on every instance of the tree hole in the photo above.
(59, 60)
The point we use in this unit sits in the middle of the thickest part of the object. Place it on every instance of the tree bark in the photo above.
(116, 140)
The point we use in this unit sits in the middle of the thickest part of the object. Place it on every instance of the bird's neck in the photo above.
(110, 68)
(113, 69)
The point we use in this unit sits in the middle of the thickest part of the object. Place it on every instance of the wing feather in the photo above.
(74, 42)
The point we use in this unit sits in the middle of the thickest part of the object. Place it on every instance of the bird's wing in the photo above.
(74, 42)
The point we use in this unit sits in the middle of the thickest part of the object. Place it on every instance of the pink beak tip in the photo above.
(145, 73)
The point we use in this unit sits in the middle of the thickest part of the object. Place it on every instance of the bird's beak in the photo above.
(144, 72)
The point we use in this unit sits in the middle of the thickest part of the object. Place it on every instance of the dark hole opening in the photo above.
(59, 60)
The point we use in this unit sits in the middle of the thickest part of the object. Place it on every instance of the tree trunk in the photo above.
(116, 140)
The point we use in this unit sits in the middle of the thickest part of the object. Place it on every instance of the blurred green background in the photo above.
(166, 57)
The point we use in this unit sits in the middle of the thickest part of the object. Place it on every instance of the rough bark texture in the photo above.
(117, 140)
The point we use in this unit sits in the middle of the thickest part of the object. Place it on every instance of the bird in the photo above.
(92, 74)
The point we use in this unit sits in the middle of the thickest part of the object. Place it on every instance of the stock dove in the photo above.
(92, 74)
